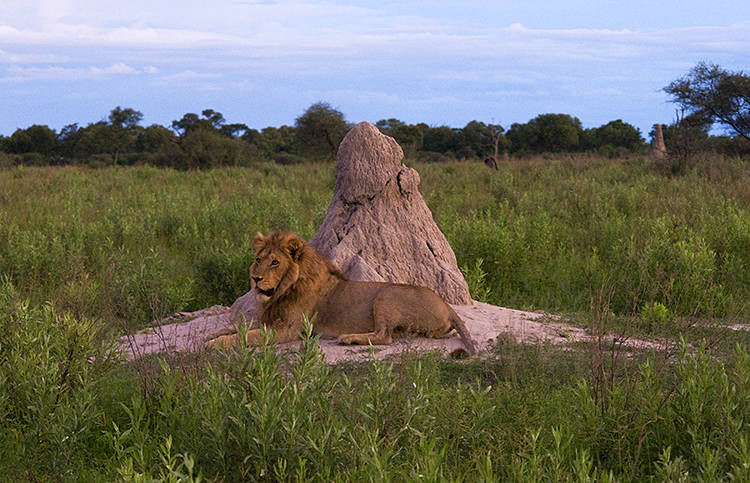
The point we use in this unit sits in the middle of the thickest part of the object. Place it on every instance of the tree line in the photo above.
(706, 95)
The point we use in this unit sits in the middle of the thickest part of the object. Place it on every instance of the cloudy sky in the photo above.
(444, 63)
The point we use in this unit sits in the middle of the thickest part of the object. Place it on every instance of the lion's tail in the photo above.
(460, 327)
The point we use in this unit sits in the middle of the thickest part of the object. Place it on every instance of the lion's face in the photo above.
(275, 268)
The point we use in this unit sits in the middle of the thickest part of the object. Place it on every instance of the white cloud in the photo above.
(25, 74)
(306, 28)
(118, 68)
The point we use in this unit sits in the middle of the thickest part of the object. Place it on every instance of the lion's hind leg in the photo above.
(367, 338)
(226, 339)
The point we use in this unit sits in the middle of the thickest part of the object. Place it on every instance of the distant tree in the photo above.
(127, 118)
(155, 138)
(235, 130)
(252, 136)
(203, 148)
(34, 139)
(409, 136)
(187, 123)
(546, 133)
(210, 121)
(319, 130)
(216, 119)
(482, 139)
(522, 137)
(441, 139)
(67, 138)
(686, 137)
(721, 95)
(615, 134)
(103, 138)
(272, 140)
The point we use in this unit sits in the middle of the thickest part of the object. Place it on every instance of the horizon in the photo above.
(262, 63)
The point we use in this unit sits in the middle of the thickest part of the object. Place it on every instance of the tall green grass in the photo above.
(85, 252)
(530, 414)
(133, 244)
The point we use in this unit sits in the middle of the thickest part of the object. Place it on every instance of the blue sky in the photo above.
(444, 63)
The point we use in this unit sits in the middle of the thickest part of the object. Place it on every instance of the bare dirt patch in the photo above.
(188, 331)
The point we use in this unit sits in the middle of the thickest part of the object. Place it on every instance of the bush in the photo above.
(50, 365)
(288, 159)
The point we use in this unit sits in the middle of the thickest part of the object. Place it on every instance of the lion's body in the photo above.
(292, 281)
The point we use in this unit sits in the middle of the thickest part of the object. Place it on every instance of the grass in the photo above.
(86, 254)
(529, 414)
(133, 244)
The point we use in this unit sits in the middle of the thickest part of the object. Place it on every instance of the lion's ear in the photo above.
(294, 246)
(259, 242)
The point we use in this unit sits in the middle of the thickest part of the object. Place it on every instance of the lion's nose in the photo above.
(257, 279)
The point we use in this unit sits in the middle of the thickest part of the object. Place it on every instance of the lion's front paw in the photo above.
(347, 339)
(223, 342)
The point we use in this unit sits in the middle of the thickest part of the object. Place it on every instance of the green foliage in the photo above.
(133, 245)
(154, 139)
(86, 253)
(719, 95)
(546, 133)
(203, 148)
(614, 134)
(34, 139)
(49, 368)
(127, 118)
(549, 234)
(655, 315)
(476, 278)
(319, 131)
(252, 415)
(207, 140)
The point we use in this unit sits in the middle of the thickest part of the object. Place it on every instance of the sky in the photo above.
(263, 62)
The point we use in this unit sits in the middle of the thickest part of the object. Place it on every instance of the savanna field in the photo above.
(620, 246)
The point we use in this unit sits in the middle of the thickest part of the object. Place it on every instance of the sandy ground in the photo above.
(188, 331)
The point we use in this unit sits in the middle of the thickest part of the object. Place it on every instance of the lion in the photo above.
(293, 281)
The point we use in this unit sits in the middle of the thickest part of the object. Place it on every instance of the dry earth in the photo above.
(188, 331)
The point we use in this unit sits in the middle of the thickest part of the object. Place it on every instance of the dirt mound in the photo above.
(378, 226)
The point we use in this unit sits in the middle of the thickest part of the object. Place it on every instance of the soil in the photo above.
(188, 331)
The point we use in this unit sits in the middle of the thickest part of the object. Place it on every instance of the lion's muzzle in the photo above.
(266, 293)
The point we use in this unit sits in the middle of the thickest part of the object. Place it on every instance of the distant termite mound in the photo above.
(659, 148)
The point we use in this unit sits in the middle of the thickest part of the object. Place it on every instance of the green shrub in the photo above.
(49, 368)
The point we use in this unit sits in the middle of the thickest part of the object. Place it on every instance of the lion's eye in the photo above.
(274, 263)
(257, 259)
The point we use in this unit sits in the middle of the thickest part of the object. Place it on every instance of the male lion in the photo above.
(292, 280)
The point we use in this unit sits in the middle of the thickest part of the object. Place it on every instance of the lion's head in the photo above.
(276, 265)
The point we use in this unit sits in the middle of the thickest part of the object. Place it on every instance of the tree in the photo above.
(211, 121)
(155, 138)
(483, 139)
(616, 134)
(188, 122)
(236, 130)
(546, 133)
(67, 139)
(34, 139)
(216, 119)
(685, 137)
(320, 130)
(722, 95)
(125, 118)
(102, 138)
(441, 139)
(273, 140)
(409, 136)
